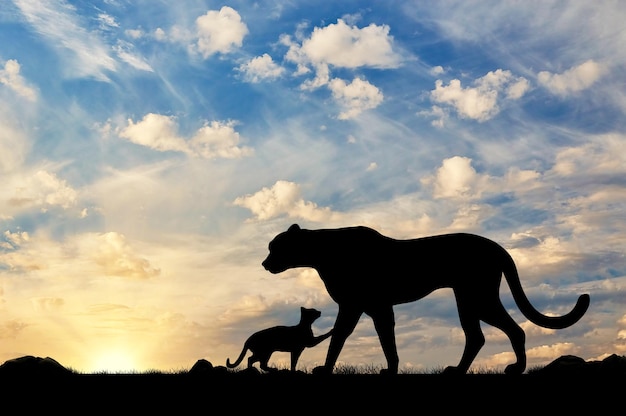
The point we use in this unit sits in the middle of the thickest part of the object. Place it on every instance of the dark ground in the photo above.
(307, 394)
(569, 388)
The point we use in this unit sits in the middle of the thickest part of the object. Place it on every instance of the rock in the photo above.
(614, 364)
(201, 366)
(33, 366)
(573, 365)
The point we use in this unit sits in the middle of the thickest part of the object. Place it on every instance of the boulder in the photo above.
(201, 366)
(573, 365)
(33, 366)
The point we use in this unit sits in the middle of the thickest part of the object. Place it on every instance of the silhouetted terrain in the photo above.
(567, 383)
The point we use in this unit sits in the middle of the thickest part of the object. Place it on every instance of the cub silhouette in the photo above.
(367, 272)
(293, 339)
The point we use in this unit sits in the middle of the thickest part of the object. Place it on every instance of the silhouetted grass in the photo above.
(340, 369)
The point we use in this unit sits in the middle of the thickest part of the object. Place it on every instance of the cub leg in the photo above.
(385, 323)
(295, 355)
(347, 318)
(263, 359)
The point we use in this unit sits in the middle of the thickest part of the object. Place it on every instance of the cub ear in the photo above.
(294, 227)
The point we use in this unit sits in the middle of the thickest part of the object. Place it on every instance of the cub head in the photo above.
(309, 314)
(287, 250)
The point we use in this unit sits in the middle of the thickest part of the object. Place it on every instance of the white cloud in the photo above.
(456, 178)
(218, 139)
(116, 257)
(160, 35)
(125, 52)
(107, 21)
(322, 77)
(261, 68)
(344, 46)
(219, 31)
(159, 132)
(601, 155)
(573, 80)
(351, 47)
(10, 76)
(461, 189)
(14, 240)
(87, 254)
(58, 23)
(284, 198)
(480, 102)
(437, 70)
(372, 167)
(40, 189)
(135, 33)
(355, 97)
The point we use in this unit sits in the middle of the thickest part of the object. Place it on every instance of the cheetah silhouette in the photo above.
(367, 272)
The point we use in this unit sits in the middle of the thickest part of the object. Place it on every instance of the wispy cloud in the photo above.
(59, 25)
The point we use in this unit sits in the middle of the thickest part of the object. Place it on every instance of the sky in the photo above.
(150, 150)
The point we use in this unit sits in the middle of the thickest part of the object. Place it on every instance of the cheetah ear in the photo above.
(294, 227)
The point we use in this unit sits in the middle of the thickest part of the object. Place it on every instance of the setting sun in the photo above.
(114, 361)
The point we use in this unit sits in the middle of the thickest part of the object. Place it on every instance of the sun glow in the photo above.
(114, 361)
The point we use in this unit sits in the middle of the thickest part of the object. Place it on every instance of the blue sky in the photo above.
(149, 151)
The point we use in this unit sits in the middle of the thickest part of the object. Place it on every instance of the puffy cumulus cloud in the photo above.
(117, 258)
(86, 254)
(457, 179)
(462, 194)
(344, 46)
(355, 97)
(39, 189)
(14, 239)
(219, 31)
(261, 68)
(481, 101)
(284, 198)
(600, 155)
(10, 76)
(546, 253)
(347, 46)
(155, 131)
(218, 139)
(160, 132)
(551, 352)
(540, 355)
(573, 80)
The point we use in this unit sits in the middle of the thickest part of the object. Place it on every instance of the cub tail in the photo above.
(239, 359)
(529, 311)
